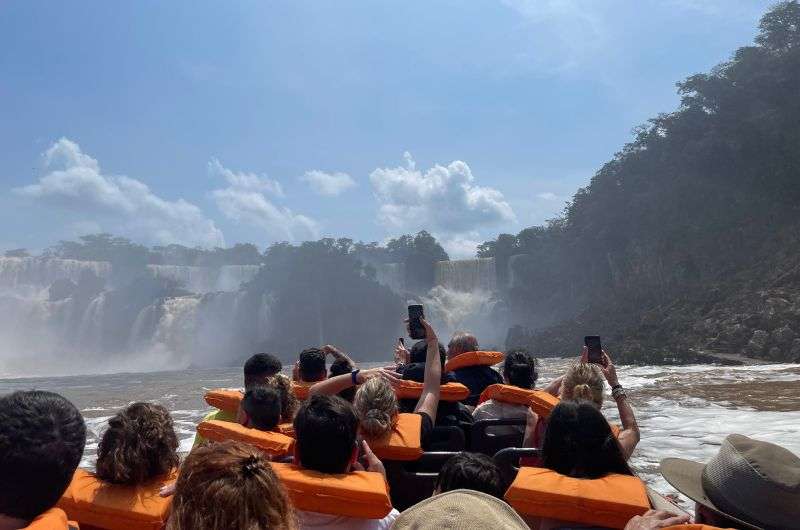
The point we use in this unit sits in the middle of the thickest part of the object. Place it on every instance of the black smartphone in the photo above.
(595, 348)
(415, 329)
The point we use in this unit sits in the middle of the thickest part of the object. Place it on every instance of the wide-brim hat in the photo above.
(754, 483)
(461, 509)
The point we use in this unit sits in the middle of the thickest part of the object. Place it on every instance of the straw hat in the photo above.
(756, 484)
(462, 510)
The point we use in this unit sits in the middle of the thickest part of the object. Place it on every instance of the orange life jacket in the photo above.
(403, 442)
(52, 519)
(270, 442)
(95, 503)
(542, 403)
(407, 389)
(474, 358)
(361, 494)
(610, 501)
(227, 400)
(300, 389)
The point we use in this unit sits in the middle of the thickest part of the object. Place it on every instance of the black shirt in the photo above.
(476, 378)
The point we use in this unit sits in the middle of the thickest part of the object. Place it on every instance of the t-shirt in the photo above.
(427, 428)
(476, 378)
(491, 410)
(337, 522)
(220, 415)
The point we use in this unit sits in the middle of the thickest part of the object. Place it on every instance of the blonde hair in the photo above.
(376, 407)
(583, 381)
(283, 385)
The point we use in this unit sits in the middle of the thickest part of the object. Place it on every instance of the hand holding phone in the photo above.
(594, 349)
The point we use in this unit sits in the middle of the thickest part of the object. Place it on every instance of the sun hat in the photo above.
(754, 483)
(462, 510)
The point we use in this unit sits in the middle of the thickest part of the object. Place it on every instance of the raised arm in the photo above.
(334, 385)
(336, 353)
(429, 400)
(629, 436)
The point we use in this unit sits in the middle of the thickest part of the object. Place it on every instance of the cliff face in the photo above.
(687, 240)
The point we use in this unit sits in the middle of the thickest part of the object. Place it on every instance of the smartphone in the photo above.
(415, 329)
(402, 341)
(595, 348)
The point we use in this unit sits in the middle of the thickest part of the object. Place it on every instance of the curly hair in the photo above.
(139, 444)
(583, 381)
(283, 385)
(229, 485)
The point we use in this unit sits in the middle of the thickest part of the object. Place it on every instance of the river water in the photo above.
(682, 411)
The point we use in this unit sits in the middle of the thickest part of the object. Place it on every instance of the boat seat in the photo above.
(486, 442)
(412, 482)
(508, 460)
(447, 438)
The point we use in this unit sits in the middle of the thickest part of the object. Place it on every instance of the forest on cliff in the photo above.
(687, 240)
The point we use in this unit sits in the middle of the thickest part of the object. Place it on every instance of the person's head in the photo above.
(261, 408)
(461, 342)
(583, 381)
(139, 444)
(747, 484)
(463, 509)
(579, 442)
(283, 386)
(471, 471)
(259, 367)
(519, 369)
(340, 367)
(312, 365)
(42, 436)
(229, 485)
(326, 428)
(419, 353)
(376, 407)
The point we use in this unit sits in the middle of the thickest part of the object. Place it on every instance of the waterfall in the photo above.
(206, 279)
(231, 277)
(467, 275)
(392, 275)
(18, 272)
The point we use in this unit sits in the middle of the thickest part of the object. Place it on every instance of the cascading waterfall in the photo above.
(41, 272)
(467, 275)
(392, 275)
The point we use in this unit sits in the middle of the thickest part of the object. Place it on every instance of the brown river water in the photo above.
(683, 411)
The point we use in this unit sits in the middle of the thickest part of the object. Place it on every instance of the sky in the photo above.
(213, 123)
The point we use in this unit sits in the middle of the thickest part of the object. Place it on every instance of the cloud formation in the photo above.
(243, 201)
(444, 199)
(547, 196)
(73, 181)
(327, 184)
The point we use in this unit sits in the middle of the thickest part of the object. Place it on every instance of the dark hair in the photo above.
(341, 367)
(519, 369)
(229, 485)
(260, 366)
(42, 436)
(139, 444)
(325, 427)
(262, 405)
(579, 442)
(471, 471)
(419, 352)
(312, 364)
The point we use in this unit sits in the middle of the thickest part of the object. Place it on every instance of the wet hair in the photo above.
(583, 381)
(519, 369)
(139, 444)
(259, 367)
(229, 485)
(341, 367)
(312, 365)
(283, 386)
(376, 407)
(326, 428)
(461, 342)
(42, 436)
(579, 443)
(471, 471)
(262, 405)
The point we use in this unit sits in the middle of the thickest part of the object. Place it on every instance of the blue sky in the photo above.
(208, 123)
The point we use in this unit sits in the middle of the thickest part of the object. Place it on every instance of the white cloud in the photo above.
(547, 196)
(443, 200)
(329, 184)
(461, 246)
(122, 205)
(243, 202)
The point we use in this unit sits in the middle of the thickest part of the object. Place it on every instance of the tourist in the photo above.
(310, 366)
(42, 436)
(476, 378)
(579, 443)
(519, 369)
(139, 444)
(375, 401)
(229, 485)
(585, 381)
(462, 509)
(342, 367)
(747, 484)
(259, 369)
(471, 471)
(260, 408)
(326, 428)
